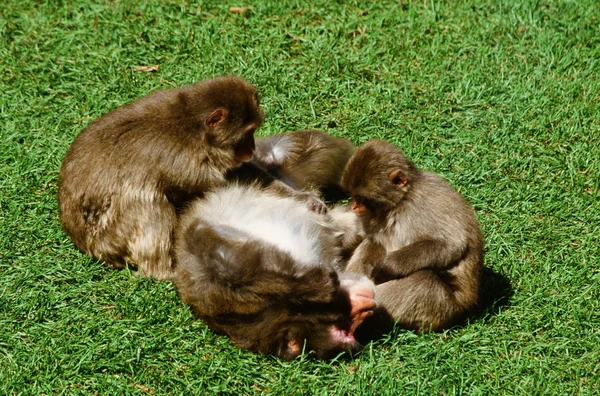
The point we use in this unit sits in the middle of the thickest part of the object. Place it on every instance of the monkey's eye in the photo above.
(359, 200)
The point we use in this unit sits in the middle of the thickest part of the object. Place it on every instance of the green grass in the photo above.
(500, 97)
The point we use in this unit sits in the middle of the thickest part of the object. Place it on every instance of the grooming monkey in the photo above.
(304, 160)
(266, 270)
(423, 246)
(128, 173)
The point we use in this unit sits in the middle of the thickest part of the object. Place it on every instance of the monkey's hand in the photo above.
(362, 298)
(366, 257)
(313, 202)
(431, 254)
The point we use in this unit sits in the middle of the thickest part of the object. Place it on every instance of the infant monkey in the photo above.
(128, 173)
(305, 160)
(264, 269)
(423, 246)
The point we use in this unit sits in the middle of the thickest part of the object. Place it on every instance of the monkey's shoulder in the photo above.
(435, 210)
(437, 193)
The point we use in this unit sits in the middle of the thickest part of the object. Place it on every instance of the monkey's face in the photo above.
(321, 328)
(235, 115)
(243, 147)
(376, 178)
(286, 332)
(320, 336)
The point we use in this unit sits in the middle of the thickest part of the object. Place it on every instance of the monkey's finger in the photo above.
(316, 205)
(357, 320)
(362, 304)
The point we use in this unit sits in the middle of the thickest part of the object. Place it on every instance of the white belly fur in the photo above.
(283, 222)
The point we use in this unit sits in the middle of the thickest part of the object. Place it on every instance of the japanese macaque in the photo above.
(305, 160)
(266, 271)
(423, 246)
(128, 173)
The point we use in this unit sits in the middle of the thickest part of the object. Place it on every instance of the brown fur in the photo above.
(268, 296)
(129, 172)
(423, 246)
(305, 160)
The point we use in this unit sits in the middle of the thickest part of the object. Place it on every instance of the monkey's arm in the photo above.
(250, 172)
(425, 254)
(366, 256)
(312, 200)
(254, 173)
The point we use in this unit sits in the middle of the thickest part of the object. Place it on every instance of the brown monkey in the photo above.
(423, 246)
(304, 160)
(264, 270)
(126, 175)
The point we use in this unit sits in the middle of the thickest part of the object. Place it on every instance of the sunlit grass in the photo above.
(500, 97)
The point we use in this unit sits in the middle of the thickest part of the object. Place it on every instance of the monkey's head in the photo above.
(288, 337)
(317, 324)
(228, 110)
(321, 327)
(323, 338)
(315, 330)
(377, 177)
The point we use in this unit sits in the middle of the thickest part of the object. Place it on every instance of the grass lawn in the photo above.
(500, 97)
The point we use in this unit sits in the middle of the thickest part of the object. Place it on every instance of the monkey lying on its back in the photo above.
(264, 270)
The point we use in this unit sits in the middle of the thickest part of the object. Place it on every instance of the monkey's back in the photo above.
(435, 210)
(135, 144)
(305, 159)
(121, 167)
(461, 229)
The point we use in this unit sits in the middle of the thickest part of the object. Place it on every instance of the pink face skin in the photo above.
(244, 150)
(342, 336)
(358, 207)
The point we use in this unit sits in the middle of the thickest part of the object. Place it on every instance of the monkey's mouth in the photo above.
(358, 207)
(343, 337)
(244, 149)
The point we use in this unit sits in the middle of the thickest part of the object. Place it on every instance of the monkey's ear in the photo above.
(215, 118)
(398, 178)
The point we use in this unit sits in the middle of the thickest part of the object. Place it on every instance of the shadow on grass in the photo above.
(495, 292)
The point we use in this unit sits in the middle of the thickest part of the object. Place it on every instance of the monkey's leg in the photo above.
(421, 301)
(421, 255)
(140, 234)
